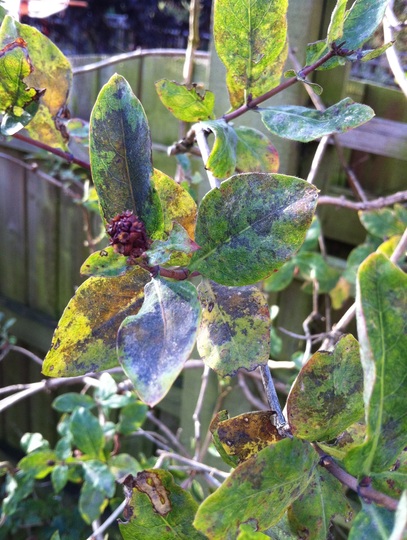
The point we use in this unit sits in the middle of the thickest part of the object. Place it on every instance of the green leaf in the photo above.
(251, 225)
(17, 100)
(121, 465)
(105, 263)
(178, 205)
(254, 151)
(305, 125)
(367, 55)
(243, 436)
(92, 502)
(259, 490)
(247, 533)
(392, 482)
(360, 22)
(312, 513)
(132, 417)
(313, 266)
(178, 241)
(186, 102)
(158, 508)
(85, 339)
(51, 71)
(235, 327)
(120, 156)
(38, 464)
(154, 344)
(335, 29)
(250, 39)
(87, 433)
(385, 222)
(326, 397)
(372, 522)
(30, 442)
(59, 477)
(99, 476)
(381, 309)
(280, 279)
(222, 159)
(71, 400)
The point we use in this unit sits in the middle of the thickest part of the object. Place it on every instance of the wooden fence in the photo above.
(41, 240)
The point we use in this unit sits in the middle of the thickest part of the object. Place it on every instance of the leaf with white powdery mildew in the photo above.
(154, 344)
(235, 327)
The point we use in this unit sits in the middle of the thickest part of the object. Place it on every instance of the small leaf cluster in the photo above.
(84, 463)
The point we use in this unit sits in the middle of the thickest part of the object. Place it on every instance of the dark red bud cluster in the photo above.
(128, 234)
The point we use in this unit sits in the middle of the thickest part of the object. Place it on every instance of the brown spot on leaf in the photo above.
(149, 483)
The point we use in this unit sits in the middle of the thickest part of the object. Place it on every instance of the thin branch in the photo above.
(193, 40)
(251, 398)
(400, 249)
(109, 521)
(391, 53)
(272, 397)
(376, 204)
(27, 353)
(201, 139)
(168, 433)
(195, 465)
(198, 409)
(316, 162)
(351, 482)
(56, 151)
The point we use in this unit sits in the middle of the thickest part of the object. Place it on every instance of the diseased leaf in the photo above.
(120, 156)
(188, 103)
(38, 464)
(250, 39)
(245, 435)
(247, 533)
(335, 29)
(327, 396)
(178, 241)
(254, 151)
(177, 204)
(154, 344)
(105, 263)
(222, 159)
(235, 327)
(258, 491)
(381, 308)
(251, 225)
(85, 338)
(158, 508)
(305, 125)
(312, 513)
(51, 71)
(372, 522)
(87, 433)
(385, 222)
(361, 21)
(392, 482)
(18, 102)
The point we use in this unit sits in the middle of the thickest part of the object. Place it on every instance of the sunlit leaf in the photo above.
(381, 307)
(158, 508)
(85, 339)
(254, 151)
(312, 513)
(51, 71)
(99, 476)
(154, 344)
(304, 125)
(245, 435)
(222, 159)
(251, 225)
(335, 29)
(120, 156)
(258, 491)
(235, 327)
(38, 464)
(186, 102)
(250, 39)
(327, 396)
(247, 533)
(105, 263)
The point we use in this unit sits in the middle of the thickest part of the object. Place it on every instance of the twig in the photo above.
(139, 53)
(400, 249)
(195, 465)
(319, 154)
(95, 527)
(351, 482)
(396, 67)
(193, 40)
(198, 409)
(272, 397)
(201, 139)
(26, 352)
(113, 516)
(168, 433)
(376, 204)
(251, 398)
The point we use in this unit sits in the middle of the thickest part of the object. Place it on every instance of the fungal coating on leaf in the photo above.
(128, 234)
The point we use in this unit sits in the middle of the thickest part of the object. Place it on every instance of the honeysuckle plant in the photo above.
(345, 421)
